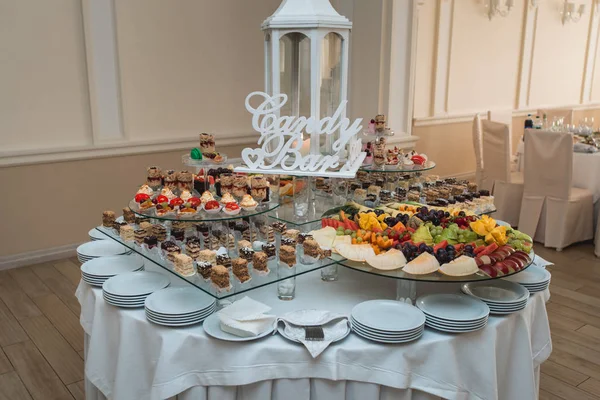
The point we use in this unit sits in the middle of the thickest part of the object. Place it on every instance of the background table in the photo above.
(128, 357)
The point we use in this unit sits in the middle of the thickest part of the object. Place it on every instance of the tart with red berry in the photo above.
(232, 208)
(212, 207)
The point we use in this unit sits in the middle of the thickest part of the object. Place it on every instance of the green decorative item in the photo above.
(196, 154)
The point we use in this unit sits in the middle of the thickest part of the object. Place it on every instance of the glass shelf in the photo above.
(398, 168)
(203, 215)
(312, 220)
(209, 163)
(434, 277)
(196, 280)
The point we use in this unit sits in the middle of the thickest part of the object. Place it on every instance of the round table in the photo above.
(128, 357)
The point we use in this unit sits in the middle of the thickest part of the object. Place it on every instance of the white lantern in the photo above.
(306, 58)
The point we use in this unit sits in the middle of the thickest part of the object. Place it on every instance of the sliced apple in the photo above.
(422, 265)
(489, 271)
(392, 259)
(460, 266)
(512, 264)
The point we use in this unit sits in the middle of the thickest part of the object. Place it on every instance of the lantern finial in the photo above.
(306, 14)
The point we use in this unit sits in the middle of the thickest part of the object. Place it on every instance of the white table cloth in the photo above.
(127, 357)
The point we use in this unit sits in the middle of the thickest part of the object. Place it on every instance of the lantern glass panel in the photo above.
(331, 74)
(294, 64)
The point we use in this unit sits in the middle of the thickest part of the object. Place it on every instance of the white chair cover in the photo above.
(478, 147)
(552, 211)
(565, 113)
(506, 117)
(497, 176)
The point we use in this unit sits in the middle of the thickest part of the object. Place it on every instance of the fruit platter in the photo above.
(424, 243)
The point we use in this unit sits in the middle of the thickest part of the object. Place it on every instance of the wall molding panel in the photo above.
(443, 48)
(590, 57)
(527, 46)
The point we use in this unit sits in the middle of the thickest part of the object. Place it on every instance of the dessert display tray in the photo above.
(398, 168)
(209, 163)
(197, 281)
(433, 277)
(312, 219)
(202, 215)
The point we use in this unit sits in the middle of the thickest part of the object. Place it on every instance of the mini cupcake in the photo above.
(248, 203)
(212, 207)
(206, 197)
(227, 198)
(168, 193)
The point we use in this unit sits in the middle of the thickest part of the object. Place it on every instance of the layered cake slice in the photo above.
(219, 276)
(184, 265)
(240, 269)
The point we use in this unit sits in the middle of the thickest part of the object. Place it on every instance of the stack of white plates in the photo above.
(100, 248)
(534, 278)
(98, 270)
(179, 306)
(94, 234)
(130, 289)
(387, 321)
(502, 297)
(453, 313)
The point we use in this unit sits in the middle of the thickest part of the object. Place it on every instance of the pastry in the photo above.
(168, 193)
(212, 206)
(206, 197)
(160, 232)
(287, 255)
(248, 203)
(226, 183)
(244, 243)
(154, 177)
(147, 226)
(170, 180)
(192, 248)
(268, 233)
(289, 241)
(202, 229)
(291, 233)
(303, 236)
(128, 215)
(213, 243)
(223, 259)
(117, 226)
(360, 195)
(178, 234)
(240, 269)
(108, 219)
(185, 180)
(279, 226)
(259, 187)
(374, 190)
(208, 256)
(259, 261)
(219, 275)
(207, 143)
(150, 241)
(269, 249)
(139, 235)
(145, 189)
(246, 253)
(228, 241)
(249, 235)
(171, 249)
(240, 185)
(311, 248)
(204, 269)
(127, 233)
(185, 195)
(184, 265)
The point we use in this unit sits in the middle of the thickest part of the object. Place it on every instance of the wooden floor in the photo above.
(41, 340)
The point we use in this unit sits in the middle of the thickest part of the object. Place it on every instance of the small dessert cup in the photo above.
(215, 210)
(232, 212)
(286, 288)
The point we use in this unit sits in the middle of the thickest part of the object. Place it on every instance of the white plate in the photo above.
(357, 328)
(457, 324)
(388, 315)
(120, 300)
(453, 307)
(102, 278)
(101, 248)
(178, 300)
(182, 319)
(212, 327)
(383, 333)
(450, 330)
(204, 313)
(94, 234)
(175, 324)
(97, 284)
(530, 276)
(112, 265)
(132, 284)
(389, 341)
(123, 305)
(505, 312)
(496, 291)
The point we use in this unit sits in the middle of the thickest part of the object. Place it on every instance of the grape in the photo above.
(429, 249)
(422, 247)
(340, 233)
(468, 248)
(348, 231)
(450, 248)
(353, 234)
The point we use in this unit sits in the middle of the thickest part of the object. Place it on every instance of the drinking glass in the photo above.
(286, 288)
(301, 196)
(330, 274)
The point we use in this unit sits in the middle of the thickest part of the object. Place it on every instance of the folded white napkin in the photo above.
(584, 148)
(335, 327)
(246, 318)
(540, 262)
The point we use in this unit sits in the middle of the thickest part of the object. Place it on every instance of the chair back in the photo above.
(478, 148)
(565, 113)
(548, 164)
(496, 153)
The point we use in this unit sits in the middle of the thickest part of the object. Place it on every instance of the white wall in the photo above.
(523, 61)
